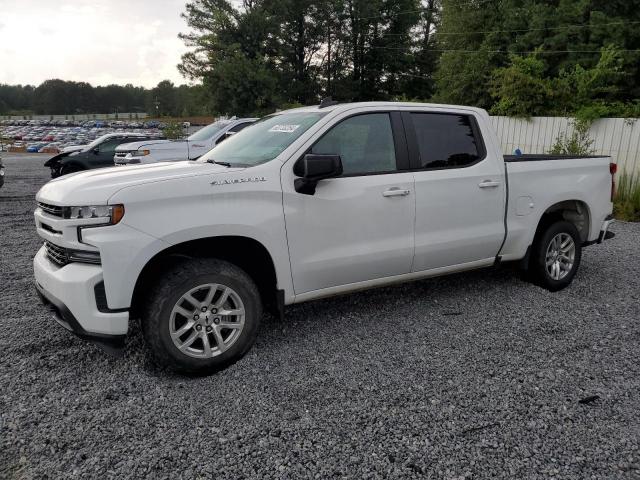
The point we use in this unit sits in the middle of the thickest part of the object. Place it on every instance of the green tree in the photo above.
(521, 89)
(481, 37)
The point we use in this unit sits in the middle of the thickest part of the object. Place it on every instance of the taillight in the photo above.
(613, 168)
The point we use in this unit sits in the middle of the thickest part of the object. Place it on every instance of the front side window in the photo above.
(110, 145)
(364, 143)
(265, 140)
(445, 140)
(209, 131)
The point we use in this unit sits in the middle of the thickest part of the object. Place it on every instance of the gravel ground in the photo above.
(472, 376)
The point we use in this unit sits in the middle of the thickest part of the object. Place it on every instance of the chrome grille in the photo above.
(51, 209)
(58, 255)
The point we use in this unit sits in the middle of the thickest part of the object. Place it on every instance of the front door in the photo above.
(103, 155)
(360, 226)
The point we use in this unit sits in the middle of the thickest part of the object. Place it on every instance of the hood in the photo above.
(73, 148)
(159, 144)
(95, 187)
(57, 158)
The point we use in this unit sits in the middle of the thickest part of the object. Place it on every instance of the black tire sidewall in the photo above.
(183, 278)
(540, 250)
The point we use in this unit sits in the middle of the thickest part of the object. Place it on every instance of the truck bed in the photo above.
(538, 182)
(544, 157)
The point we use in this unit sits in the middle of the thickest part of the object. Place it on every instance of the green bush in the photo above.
(626, 205)
(578, 143)
(173, 130)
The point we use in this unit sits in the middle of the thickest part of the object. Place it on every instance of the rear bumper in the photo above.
(605, 234)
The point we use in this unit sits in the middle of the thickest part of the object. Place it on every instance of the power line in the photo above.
(565, 27)
(424, 9)
(506, 51)
(524, 30)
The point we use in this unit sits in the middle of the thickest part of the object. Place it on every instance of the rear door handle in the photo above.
(488, 184)
(396, 192)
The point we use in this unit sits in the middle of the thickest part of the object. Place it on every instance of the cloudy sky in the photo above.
(97, 41)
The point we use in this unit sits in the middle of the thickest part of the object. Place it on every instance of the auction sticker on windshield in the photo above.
(284, 128)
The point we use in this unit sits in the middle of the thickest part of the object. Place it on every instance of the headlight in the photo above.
(111, 213)
(142, 153)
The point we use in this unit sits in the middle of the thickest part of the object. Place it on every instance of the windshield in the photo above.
(209, 131)
(264, 140)
(96, 142)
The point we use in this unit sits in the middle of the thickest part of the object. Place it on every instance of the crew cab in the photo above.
(191, 148)
(306, 203)
(97, 154)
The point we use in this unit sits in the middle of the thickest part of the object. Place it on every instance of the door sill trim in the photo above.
(385, 281)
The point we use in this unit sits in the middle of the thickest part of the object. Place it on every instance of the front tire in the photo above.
(556, 256)
(202, 316)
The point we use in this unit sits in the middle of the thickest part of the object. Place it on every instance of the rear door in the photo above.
(460, 190)
(357, 227)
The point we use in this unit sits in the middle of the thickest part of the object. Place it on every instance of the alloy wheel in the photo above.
(207, 320)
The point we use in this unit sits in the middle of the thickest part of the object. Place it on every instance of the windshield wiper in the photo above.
(224, 164)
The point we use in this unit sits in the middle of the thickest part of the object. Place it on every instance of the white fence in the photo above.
(617, 137)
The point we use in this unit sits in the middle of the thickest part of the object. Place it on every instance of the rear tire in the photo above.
(202, 316)
(555, 256)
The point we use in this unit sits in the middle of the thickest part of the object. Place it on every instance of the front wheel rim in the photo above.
(207, 320)
(560, 256)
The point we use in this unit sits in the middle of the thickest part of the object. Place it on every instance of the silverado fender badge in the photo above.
(231, 181)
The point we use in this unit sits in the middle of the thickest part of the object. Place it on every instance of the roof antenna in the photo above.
(328, 102)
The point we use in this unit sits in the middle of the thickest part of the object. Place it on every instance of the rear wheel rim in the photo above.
(560, 256)
(207, 320)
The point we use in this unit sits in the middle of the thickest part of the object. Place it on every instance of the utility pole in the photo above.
(329, 59)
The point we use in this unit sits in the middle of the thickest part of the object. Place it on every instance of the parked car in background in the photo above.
(193, 147)
(98, 154)
(305, 204)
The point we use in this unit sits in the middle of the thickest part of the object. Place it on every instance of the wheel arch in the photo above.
(573, 211)
(245, 252)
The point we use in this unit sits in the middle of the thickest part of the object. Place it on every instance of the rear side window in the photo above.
(446, 140)
(364, 143)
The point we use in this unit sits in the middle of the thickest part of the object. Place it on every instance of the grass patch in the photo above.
(626, 205)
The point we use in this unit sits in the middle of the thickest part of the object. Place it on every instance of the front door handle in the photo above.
(396, 192)
(488, 184)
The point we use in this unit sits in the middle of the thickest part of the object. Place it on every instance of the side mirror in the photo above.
(96, 150)
(312, 168)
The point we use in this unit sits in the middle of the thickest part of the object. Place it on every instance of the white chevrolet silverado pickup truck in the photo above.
(304, 204)
(194, 146)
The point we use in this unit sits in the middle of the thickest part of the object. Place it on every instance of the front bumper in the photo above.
(128, 160)
(71, 292)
